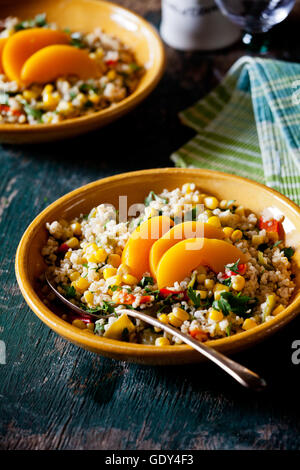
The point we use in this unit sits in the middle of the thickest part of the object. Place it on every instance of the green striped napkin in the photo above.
(249, 125)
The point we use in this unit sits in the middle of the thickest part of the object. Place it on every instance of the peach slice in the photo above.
(21, 45)
(182, 258)
(190, 229)
(52, 62)
(137, 248)
(2, 44)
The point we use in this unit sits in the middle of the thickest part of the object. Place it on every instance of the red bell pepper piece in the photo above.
(166, 292)
(271, 225)
(241, 270)
(111, 63)
(6, 108)
(63, 248)
(199, 334)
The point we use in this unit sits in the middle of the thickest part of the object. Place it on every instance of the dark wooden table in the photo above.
(54, 395)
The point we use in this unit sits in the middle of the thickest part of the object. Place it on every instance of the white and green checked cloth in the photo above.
(249, 125)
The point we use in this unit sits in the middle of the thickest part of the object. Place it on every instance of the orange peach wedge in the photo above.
(181, 259)
(190, 229)
(2, 44)
(21, 45)
(52, 62)
(137, 248)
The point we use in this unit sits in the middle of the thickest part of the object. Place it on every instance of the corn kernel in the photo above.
(236, 235)
(180, 314)
(174, 320)
(278, 310)
(123, 269)
(81, 284)
(48, 88)
(156, 329)
(162, 341)
(211, 202)
(215, 221)
(114, 280)
(74, 276)
(201, 278)
(129, 279)
(216, 315)
(258, 239)
(76, 227)
(73, 242)
(218, 289)
(209, 283)
(29, 95)
(109, 272)
(202, 293)
(248, 324)
(79, 324)
(97, 257)
(240, 211)
(89, 248)
(223, 204)
(164, 318)
(228, 231)
(89, 297)
(94, 98)
(68, 254)
(114, 260)
(269, 305)
(238, 282)
(90, 326)
(111, 75)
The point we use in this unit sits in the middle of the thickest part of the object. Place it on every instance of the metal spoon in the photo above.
(244, 376)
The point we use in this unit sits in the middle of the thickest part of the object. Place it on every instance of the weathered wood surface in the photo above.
(54, 395)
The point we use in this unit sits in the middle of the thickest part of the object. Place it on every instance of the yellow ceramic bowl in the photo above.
(85, 15)
(136, 185)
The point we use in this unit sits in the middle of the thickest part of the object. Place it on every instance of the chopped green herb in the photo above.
(277, 243)
(146, 280)
(233, 267)
(226, 282)
(40, 20)
(76, 41)
(288, 252)
(70, 291)
(238, 304)
(228, 329)
(134, 67)
(99, 328)
(154, 197)
(88, 87)
(85, 265)
(194, 297)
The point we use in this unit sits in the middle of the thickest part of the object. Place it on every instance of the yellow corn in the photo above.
(89, 248)
(164, 318)
(48, 88)
(74, 276)
(258, 239)
(202, 293)
(79, 324)
(236, 235)
(73, 242)
(215, 221)
(174, 320)
(111, 75)
(129, 279)
(81, 284)
(278, 310)
(90, 326)
(98, 256)
(114, 280)
(123, 269)
(238, 282)
(162, 341)
(228, 231)
(211, 202)
(223, 204)
(109, 272)
(240, 211)
(114, 260)
(76, 227)
(89, 297)
(248, 324)
(216, 315)
(209, 283)
(218, 289)
(68, 254)
(180, 314)
(94, 98)
(30, 94)
(269, 305)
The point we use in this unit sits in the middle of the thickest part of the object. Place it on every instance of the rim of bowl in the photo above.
(100, 343)
(127, 103)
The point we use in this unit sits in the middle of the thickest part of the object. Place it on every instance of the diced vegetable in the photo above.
(116, 329)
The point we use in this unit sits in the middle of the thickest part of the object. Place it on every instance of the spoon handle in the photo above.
(244, 376)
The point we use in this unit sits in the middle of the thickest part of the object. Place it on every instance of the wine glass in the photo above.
(255, 16)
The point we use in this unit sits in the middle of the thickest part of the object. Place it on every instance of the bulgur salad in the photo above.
(238, 277)
(89, 71)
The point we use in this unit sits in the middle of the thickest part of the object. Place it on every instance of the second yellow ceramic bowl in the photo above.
(136, 185)
(85, 15)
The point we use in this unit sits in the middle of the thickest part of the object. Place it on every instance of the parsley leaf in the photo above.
(146, 280)
(288, 252)
(194, 297)
(238, 304)
(154, 197)
(70, 291)
(234, 267)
